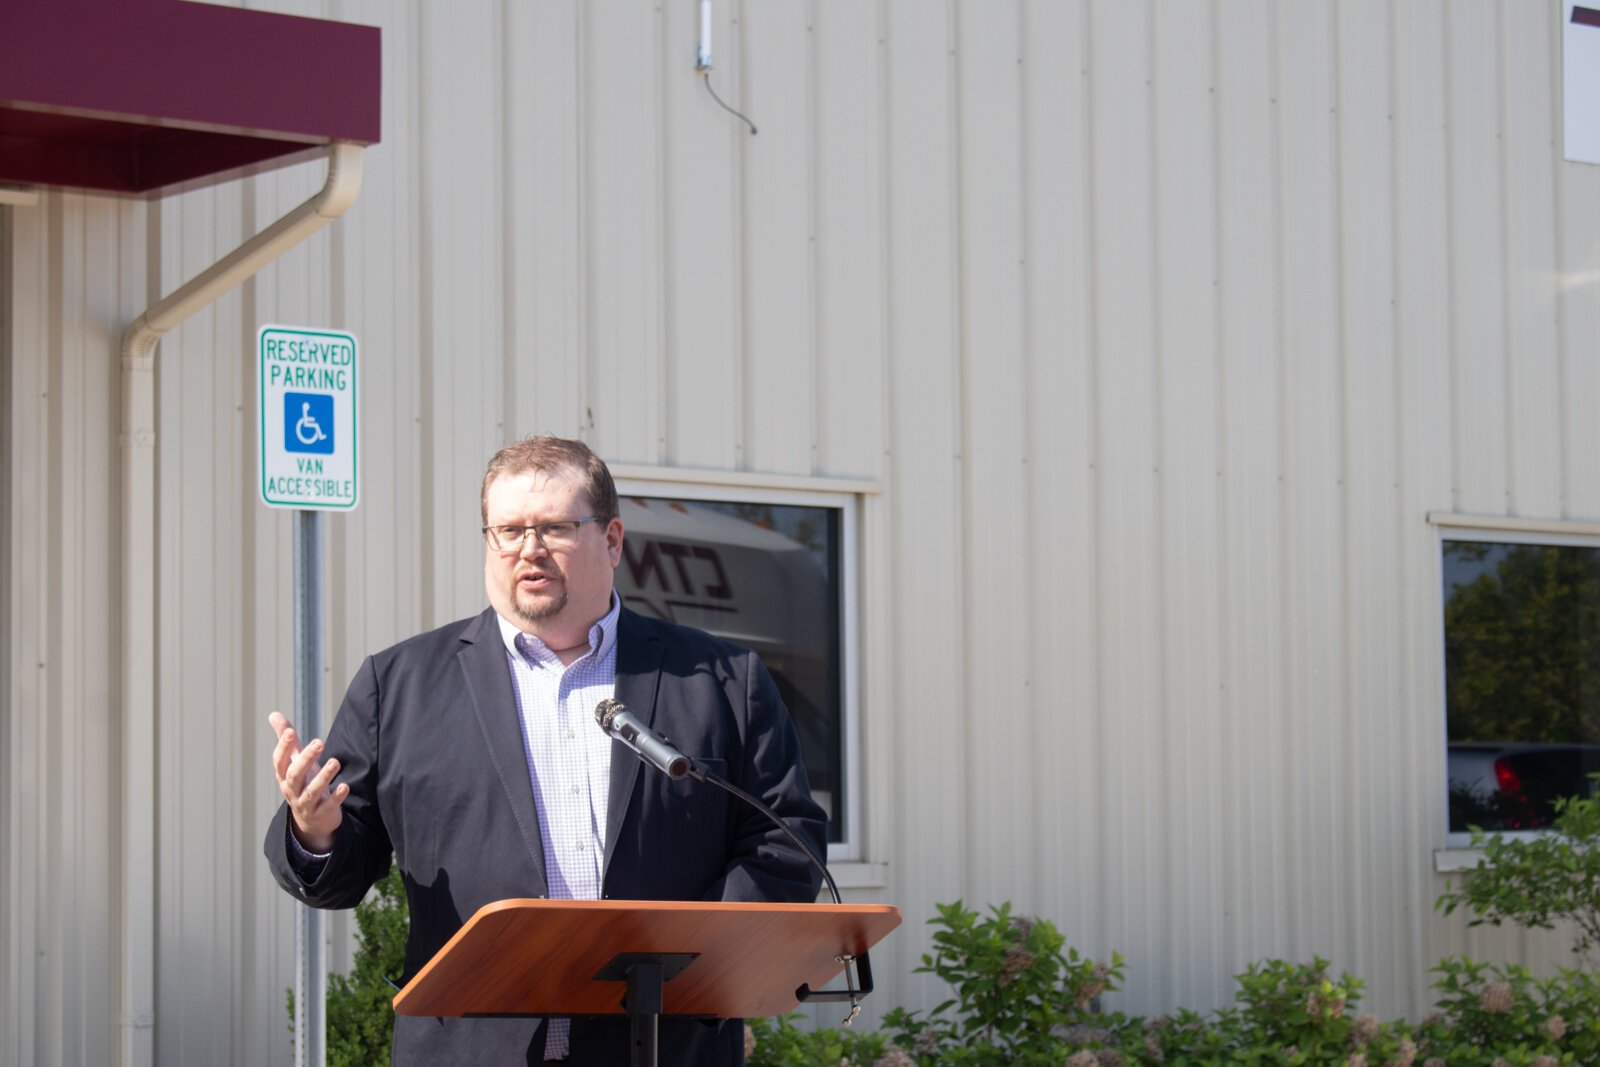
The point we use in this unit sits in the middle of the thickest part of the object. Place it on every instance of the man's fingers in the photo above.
(307, 786)
(304, 764)
(308, 783)
(283, 752)
(319, 785)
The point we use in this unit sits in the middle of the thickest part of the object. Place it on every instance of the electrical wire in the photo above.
(732, 111)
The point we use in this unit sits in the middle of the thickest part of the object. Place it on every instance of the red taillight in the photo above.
(1510, 784)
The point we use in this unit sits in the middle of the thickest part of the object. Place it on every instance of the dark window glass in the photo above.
(1522, 679)
(765, 576)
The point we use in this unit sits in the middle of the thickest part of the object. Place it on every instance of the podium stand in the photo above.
(643, 959)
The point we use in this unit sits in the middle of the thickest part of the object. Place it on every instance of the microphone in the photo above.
(615, 719)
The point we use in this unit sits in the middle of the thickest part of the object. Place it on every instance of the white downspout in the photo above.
(137, 974)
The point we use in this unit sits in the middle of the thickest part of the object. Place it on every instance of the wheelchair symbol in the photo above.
(308, 423)
(306, 430)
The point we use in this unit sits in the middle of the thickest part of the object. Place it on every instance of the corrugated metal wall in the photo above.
(1158, 328)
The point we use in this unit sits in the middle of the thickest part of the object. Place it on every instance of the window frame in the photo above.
(1554, 533)
(842, 494)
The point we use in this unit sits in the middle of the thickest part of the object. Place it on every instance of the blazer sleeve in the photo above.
(361, 848)
(763, 864)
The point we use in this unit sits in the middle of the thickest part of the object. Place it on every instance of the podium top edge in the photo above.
(754, 907)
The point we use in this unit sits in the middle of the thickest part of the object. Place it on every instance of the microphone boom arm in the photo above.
(657, 750)
(700, 774)
(863, 965)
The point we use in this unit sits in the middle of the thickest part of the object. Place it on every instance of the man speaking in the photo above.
(471, 755)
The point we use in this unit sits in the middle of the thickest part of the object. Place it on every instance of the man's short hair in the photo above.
(548, 455)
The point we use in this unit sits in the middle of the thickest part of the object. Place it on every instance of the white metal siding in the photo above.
(58, 881)
(1161, 326)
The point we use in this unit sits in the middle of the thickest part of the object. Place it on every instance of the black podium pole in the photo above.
(645, 973)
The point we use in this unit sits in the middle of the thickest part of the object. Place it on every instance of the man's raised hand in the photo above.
(304, 784)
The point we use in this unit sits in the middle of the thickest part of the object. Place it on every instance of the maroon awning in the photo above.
(146, 97)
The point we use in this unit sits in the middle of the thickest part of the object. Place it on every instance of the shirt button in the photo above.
(571, 734)
(574, 790)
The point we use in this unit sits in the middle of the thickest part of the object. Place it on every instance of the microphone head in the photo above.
(607, 710)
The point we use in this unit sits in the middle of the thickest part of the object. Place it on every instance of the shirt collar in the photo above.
(602, 635)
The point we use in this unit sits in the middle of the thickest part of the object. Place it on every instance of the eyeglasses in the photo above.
(562, 534)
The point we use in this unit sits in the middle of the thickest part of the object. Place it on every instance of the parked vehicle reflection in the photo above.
(1513, 785)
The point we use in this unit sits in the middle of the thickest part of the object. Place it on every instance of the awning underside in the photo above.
(147, 97)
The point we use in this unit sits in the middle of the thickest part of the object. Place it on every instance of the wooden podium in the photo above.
(644, 959)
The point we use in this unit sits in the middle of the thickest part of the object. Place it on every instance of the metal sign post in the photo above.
(307, 420)
(311, 972)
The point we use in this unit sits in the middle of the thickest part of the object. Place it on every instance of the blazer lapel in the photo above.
(638, 677)
(483, 664)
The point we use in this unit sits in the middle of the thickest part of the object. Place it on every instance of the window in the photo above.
(1522, 674)
(771, 571)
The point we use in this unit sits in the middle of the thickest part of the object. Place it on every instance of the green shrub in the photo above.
(1021, 996)
(783, 1043)
(1489, 1014)
(1297, 1012)
(1541, 880)
(359, 1015)
(1019, 990)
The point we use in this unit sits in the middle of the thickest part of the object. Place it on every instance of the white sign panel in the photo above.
(308, 417)
(1580, 80)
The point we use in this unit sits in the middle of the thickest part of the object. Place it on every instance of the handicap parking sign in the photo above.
(307, 431)
(308, 423)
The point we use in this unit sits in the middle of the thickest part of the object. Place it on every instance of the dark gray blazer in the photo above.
(429, 741)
